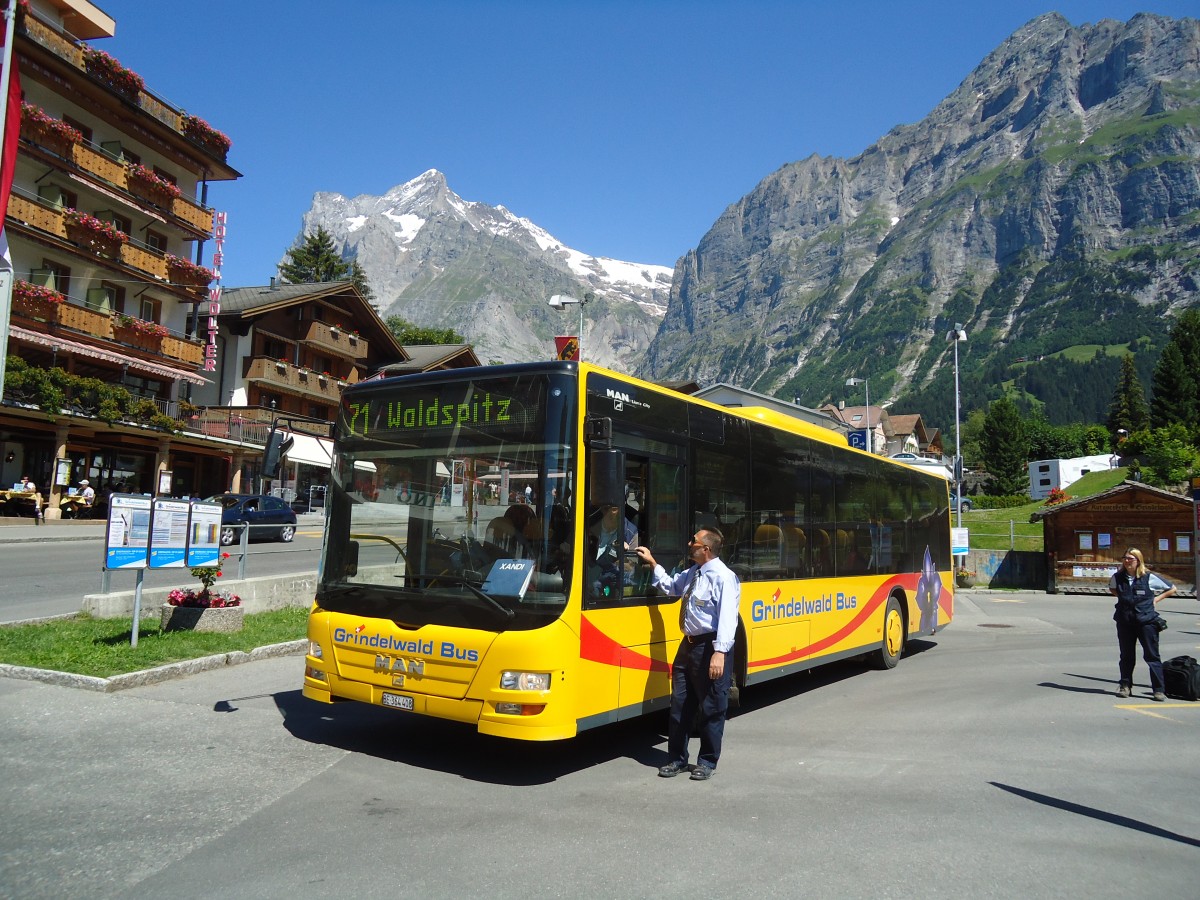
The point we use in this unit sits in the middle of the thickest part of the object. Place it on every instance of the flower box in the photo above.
(964, 579)
(36, 301)
(94, 234)
(108, 71)
(204, 134)
(42, 128)
(149, 185)
(186, 272)
(220, 619)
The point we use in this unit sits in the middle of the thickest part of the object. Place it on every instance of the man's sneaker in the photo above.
(701, 773)
(1160, 696)
(1123, 691)
(670, 770)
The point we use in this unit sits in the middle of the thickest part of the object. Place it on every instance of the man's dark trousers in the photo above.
(691, 689)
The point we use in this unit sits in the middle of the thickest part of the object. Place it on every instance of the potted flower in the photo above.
(964, 577)
(95, 234)
(204, 609)
(1057, 495)
(140, 326)
(148, 183)
(187, 272)
(108, 71)
(43, 128)
(202, 133)
(39, 302)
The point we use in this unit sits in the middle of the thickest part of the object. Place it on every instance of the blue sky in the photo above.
(622, 128)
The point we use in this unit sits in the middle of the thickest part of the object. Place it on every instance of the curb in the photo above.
(151, 676)
(56, 538)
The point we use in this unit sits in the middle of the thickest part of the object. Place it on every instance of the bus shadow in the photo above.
(458, 749)
(768, 693)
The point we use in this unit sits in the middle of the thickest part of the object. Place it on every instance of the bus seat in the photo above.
(503, 533)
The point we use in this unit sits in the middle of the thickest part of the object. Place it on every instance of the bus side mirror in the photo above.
(606, 482)
(350, 559)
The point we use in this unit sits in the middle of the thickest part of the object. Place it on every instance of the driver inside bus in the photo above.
(610, 567)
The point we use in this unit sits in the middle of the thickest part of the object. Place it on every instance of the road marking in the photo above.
(1152, 710)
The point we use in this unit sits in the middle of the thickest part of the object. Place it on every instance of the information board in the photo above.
(127, 538)
(204, 535)
(168, 533)
(960, 541)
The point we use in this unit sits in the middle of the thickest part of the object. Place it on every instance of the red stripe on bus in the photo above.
(596, 646)
(877, 600)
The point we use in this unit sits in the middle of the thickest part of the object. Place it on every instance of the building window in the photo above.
(166, 176)
(105, 297)
(57, 196)
(119, 152)
(276, 349)
(150, 308)
(156, 241)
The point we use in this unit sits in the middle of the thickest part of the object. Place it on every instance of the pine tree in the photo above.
(314, 260)
(1006, 447)
(1128, 411)
(1176, 381)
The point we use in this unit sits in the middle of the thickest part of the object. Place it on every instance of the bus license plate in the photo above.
(398, 701)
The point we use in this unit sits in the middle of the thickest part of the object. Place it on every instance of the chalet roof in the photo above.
(253, 300)
(908, 423)
(426, 357)
(1122, 488)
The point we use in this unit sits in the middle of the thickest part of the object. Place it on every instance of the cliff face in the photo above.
(1052, 201)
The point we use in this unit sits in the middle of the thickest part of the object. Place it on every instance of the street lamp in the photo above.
(851, 382)
(561, 301)
(954, 336)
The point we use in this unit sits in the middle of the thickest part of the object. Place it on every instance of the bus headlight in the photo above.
(525, 681)
(315, 651)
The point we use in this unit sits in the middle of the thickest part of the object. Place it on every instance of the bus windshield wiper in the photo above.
(459, 580)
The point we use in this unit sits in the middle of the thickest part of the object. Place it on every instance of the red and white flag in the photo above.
(12, 133)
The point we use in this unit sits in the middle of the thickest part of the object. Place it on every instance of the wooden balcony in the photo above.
(56, 43)
(335, 340)
(287, 377)
(71, 52)
(50, 220)
(50, 318)
(88, 321)
(185, 213)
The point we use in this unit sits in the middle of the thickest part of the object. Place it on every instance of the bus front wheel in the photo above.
(892, 644)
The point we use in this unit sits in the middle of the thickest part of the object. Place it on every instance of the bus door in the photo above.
(639, 624)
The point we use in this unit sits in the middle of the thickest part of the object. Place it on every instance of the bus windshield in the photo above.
(451, 501)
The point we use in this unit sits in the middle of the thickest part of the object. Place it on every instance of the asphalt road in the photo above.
(49, 575)
(994, 761)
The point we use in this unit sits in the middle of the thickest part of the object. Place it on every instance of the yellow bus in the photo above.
(464, 575)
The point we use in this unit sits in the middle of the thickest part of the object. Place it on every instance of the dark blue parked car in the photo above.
(269, 518)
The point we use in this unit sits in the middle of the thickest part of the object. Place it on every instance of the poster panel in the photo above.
(204, 535)
(127, 537)
(168, 534)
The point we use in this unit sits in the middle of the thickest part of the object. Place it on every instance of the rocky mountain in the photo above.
(1051, 204)
(442, 262)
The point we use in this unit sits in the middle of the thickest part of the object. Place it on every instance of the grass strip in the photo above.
(100, 647)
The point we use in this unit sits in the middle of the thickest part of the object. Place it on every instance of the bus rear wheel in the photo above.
(892, 644)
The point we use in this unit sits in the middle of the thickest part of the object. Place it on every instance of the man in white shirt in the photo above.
(87, 493)
(703, 668)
